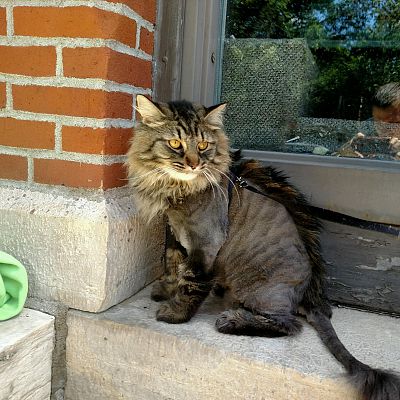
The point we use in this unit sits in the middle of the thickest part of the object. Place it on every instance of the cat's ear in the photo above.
(215, 116)
(150, 113)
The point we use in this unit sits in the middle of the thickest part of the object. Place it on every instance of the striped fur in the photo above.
(276, 186)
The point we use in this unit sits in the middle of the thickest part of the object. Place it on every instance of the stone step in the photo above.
(26, 345)
(124, 353)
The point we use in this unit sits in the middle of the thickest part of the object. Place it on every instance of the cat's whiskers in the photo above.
(211, 184)
(230, 180)
(212, 177)
(211, 180)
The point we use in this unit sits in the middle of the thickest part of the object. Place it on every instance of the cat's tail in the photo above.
(373, 384)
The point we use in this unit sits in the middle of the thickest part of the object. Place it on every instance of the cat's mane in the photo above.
(155, 193)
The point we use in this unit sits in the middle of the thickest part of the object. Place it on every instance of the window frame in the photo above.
(188, 64)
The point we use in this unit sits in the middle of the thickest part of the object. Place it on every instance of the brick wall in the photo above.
(69, 73)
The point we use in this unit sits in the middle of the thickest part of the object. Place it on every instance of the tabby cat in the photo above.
(261, 246)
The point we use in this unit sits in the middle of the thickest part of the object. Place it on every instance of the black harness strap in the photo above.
(234, 179)
(322, 213)
(344, 219)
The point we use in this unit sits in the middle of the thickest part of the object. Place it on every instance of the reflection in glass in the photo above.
(317, 77)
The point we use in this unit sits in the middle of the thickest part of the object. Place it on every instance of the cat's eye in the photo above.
(175, 143)
(202, 145)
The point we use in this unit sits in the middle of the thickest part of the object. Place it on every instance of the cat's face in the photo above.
(182, 140)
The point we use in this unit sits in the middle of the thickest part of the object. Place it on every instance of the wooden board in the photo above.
(363, 267)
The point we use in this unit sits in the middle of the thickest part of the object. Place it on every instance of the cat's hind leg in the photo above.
(267, 310)
(244, 322)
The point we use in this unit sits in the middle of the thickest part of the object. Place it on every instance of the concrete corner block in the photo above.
(26, 344)
(86, 249)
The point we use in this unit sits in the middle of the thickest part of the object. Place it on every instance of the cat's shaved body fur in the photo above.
(263, 249)
(260, 278)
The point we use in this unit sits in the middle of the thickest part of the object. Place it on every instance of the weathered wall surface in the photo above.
(363, 267)
(88, 252)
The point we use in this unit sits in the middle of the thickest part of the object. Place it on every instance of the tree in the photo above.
(356, 45)
(262, 18)
(332, 19)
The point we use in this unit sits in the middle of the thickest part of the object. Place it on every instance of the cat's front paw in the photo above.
(173, 314)
(159, 291)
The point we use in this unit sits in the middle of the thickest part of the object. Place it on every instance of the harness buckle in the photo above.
(242, 183)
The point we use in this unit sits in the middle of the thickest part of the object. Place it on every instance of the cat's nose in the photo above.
(192, 160)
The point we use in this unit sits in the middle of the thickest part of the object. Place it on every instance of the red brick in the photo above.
(145, 8)
(76, 174)
(146, 41)
(13, 167)
(3, 95)
(111, 141)
(114, 176)
(72, 101)
(82, 22)
(28, 60)
(107, 64)
(3, 21)
(26, 134)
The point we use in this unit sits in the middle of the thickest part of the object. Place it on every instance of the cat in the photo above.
(260, 246)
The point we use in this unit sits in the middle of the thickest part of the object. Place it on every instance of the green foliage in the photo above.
(356, 45)
(348, 78)
(321, 19)
(264, 18)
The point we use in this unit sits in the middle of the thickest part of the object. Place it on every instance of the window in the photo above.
(315, 77)
(284, 104)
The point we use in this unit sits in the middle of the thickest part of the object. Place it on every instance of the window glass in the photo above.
(318, 77)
